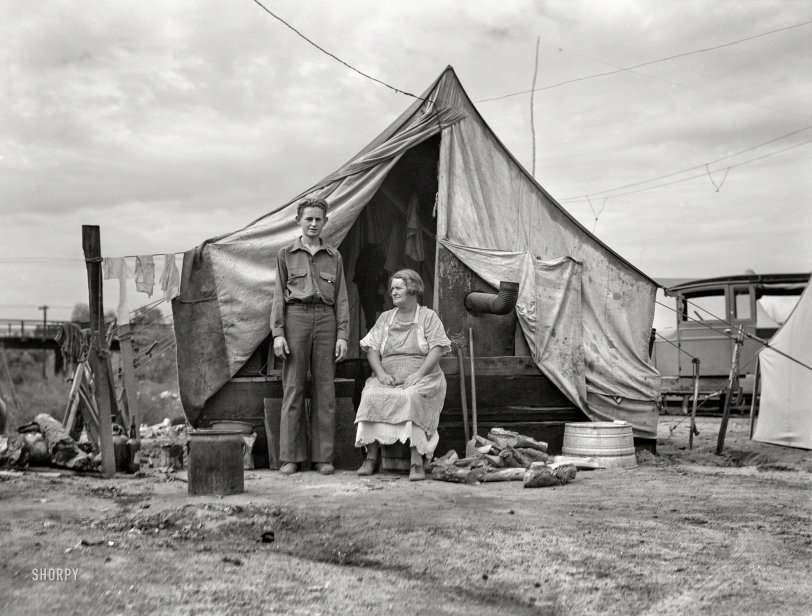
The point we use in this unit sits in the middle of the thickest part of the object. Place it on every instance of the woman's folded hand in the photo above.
(386, 379)
(411, 379)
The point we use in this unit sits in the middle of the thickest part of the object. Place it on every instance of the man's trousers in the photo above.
(310, 330)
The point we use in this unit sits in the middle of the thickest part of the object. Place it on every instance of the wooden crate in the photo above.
(243, 398)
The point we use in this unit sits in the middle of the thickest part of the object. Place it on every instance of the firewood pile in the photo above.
(503, 455)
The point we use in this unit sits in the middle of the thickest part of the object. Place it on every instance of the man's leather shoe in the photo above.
(288, 468)
(325, 468)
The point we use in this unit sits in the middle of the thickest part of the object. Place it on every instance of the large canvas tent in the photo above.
(785, 409)
(438, 187)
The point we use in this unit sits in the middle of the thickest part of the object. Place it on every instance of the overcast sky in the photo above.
(166, 123)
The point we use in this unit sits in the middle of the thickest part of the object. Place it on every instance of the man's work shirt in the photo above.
(305, 278)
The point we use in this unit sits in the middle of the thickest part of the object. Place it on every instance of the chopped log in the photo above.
(503, 433)
(62, 449)
(455, 474)
(508, 455)
(564, 472)
(510, 438)
(503, 438)
(580, 462)
(482, 441)
(447, 458)
(471, 462)
(496, 461)
(513, 457)
(541, 475)
(505, 474)
(534, 455)
(530, 443)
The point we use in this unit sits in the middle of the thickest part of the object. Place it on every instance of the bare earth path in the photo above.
(686, 532)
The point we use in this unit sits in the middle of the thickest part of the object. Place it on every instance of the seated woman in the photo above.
(403, 398)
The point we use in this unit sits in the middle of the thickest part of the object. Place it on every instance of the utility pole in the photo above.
(45, 335)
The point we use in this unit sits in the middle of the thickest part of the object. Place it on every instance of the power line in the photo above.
(78, 260)
(642, 64)
(687, 169)
(758, 340)
(684, 85)
(333, 56)
(691, 177)
(31, 306)
(40, 260)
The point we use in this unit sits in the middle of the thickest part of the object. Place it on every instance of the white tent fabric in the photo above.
(548, 309)
(585, 312)
(785, 410)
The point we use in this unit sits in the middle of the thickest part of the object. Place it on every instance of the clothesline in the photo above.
(143, 272)
(157, 254)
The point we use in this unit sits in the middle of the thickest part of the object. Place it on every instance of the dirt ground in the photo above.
(685, 532)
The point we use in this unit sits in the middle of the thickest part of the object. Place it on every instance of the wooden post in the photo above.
(731, 383)
(474, 428)
(91, 244)
(695, 362)
(756, 379)
(130, 387)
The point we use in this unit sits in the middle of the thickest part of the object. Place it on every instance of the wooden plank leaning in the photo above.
(732, 381)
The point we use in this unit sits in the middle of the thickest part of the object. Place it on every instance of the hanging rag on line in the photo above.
(145, 274)
(116, 268)
(170, 278)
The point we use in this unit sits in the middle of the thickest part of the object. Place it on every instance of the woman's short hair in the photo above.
(312, 202)
(412, 280)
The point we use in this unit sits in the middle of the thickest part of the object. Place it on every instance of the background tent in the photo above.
(437, 182)
(785, 410)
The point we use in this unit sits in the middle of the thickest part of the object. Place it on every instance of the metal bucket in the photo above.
(215, 462)
(611, 443)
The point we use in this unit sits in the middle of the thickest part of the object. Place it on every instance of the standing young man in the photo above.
(310, 326)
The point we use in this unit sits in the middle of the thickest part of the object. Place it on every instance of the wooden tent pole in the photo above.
(694, 431)
(731, 383)
(91, 244)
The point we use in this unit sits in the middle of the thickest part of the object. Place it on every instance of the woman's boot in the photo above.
(417, 472)
(372, 461)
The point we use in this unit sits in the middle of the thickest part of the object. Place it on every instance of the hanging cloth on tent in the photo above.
(170, 278)
(116, 268)
(414, 237)
(145, 274)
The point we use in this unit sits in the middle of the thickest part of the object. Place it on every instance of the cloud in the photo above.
(168, 123)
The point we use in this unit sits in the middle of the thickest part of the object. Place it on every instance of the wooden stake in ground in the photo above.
(128, 368)
(694, 431)
(754, 396)
(731, 384)
(97, 354)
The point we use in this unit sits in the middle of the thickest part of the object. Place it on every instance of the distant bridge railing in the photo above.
(31, 328)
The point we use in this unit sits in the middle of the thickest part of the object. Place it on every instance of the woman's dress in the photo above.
(387, 413)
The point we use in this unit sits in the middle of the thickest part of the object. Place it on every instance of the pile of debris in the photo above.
(46, 442)
(163, 445)
(504, 456)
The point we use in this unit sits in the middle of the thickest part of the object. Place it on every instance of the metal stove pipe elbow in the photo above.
(501, 302)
